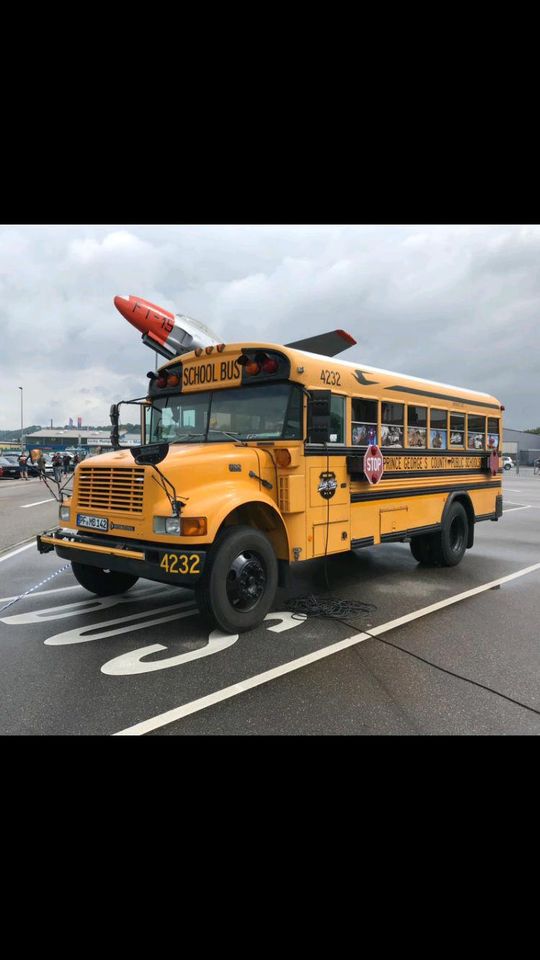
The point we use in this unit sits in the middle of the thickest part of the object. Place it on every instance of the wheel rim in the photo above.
(457, 535)
(246, 580)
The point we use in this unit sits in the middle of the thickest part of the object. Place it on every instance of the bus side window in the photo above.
(457, 429)
(438, 423)
(392, 424)
(476, 433)
(417, 426)
(337, 419)
(365, 416)
(493, 433)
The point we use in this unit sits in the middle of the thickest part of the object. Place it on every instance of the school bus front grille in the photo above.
(118, 489)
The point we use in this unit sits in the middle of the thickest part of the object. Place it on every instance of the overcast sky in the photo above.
(459, 304)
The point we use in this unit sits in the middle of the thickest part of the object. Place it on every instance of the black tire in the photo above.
(454, 535)
(426, 549)
(240, 580)
(508, 466)
(104, 583)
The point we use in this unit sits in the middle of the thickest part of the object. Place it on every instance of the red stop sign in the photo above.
(373, 463)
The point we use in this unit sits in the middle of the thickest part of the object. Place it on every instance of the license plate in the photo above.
(94, 523)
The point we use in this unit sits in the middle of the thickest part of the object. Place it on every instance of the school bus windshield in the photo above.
(265, 412)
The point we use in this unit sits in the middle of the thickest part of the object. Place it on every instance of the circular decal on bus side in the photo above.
(328, 485)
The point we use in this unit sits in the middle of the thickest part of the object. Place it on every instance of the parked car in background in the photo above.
(508, 463)
(8, 469)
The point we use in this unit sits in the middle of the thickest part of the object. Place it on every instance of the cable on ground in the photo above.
(35, 587)
(333, 608)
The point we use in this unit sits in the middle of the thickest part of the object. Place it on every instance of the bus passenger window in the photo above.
(364, 421)
(417, 427)
(493, 433)
(337, 419)
(457, 429)
(392, 420)
(438, 429)
(476, 432)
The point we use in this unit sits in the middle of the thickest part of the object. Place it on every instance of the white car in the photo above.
(508, 463)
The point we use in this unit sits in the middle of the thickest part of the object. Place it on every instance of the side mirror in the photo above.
(149, 455)
(114, 414)
(319, 416)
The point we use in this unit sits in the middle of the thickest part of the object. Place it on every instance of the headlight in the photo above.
(64, 513)
(181, 526)
(172, 525)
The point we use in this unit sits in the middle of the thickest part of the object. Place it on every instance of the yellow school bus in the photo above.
(253, 457)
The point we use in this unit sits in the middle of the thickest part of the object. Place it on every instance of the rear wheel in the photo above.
(240, 580)
(103, 583)
(454, 535)
(425, 548)
(446, 548)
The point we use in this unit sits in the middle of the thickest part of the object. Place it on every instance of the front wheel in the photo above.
(104, 583)
(240, 580)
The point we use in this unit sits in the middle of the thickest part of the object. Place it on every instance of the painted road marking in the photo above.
(134, 594)
(128, 664)
(232, 691)
(84, 634)
(512, 509)
(20, 550)
(36, 504)
(80, 607)
(41, 593)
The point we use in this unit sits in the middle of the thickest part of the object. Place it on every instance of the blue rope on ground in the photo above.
(35, 587)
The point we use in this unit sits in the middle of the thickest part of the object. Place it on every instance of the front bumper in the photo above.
(134, 557)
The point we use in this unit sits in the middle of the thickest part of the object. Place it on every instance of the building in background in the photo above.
(524, 448)
(83, 441)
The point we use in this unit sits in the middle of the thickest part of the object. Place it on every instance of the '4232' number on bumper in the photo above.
(180, 563)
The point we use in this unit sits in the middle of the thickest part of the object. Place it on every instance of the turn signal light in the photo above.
(261, 361)
(283, 457)
(193, 526)
(252, 368)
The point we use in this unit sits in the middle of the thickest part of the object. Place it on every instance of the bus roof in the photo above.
(359, 368)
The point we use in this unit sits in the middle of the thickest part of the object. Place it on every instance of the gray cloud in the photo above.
(459, 304)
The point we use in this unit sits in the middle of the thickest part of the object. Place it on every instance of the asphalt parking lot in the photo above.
(142, 663)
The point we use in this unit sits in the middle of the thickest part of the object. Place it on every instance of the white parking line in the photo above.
(20, 550)
(36, 504)
(511, 509)
(196, 705)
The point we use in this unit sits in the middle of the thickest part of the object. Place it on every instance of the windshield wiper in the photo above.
(233, 436)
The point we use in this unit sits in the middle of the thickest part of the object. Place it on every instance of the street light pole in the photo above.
(22, 427)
